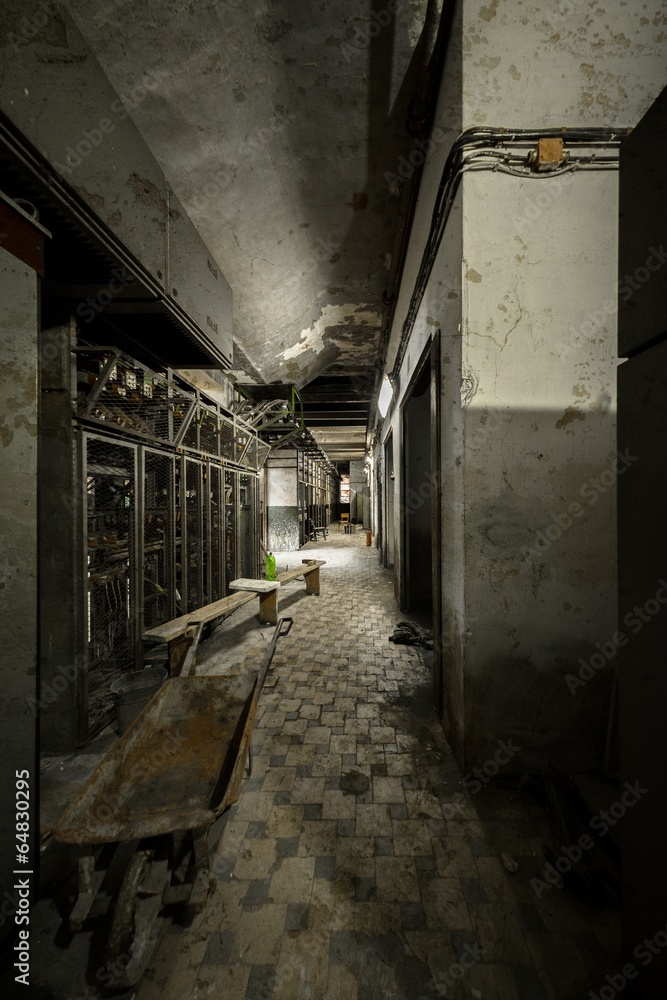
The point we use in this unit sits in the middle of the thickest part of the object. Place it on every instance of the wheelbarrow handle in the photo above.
(284, 621)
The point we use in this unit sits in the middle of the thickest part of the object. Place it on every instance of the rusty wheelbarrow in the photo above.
(175, 770)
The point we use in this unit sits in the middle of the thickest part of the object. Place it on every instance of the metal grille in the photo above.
(193, 554)
(242, 442)
(158, 563)
(230, 527)
(248, 526)
(263, 450)
(111, 565)
(191, 438)
(125, 394)
(119, 392)
(208, 430)
(180, 410)
(216, 546)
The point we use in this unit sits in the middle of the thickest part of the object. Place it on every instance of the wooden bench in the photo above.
(182, 634)
(309, 570)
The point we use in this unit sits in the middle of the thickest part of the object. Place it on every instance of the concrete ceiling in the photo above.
(275, 124)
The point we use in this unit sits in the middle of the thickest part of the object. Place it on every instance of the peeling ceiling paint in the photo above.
(275, 128)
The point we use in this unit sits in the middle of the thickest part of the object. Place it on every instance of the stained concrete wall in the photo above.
(282, 511)
(18, 562)
(523, 298)
(539, 469)
(358, 484)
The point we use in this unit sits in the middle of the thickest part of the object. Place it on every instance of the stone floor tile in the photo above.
(354, 847)
(284, 821)
(302, 969)
(254, 805)
(292, 881)
(327, 765)
(388, 790)
(492, 980)
(337, 805)
(374, 820)
(396, 880)
(528, 982)
(230, 981)
(257, 893)
(332, 905)
(454, 857)
(279, 779)
(258, 935)
(444, 905)
(411, 837)
(255, 859)
(341, 984)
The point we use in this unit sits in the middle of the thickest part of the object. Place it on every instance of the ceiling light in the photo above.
(386, 392)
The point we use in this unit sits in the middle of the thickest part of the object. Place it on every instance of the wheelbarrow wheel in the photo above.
(135, 924)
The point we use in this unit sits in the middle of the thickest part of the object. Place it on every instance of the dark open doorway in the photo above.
(389, 502)
(417, 597)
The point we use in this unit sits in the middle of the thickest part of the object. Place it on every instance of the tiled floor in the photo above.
(354, 865)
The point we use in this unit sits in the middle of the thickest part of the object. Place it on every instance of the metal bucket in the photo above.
(131, 692)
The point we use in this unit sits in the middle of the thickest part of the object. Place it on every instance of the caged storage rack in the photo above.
(164, 513)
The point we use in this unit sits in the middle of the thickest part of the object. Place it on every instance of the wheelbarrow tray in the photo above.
(177, 766)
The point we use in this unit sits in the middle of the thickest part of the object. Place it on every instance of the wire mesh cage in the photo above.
(217, 536)
(159, 582)
(166, 524)
(119, 392)
(193, 549)
(209, 437)
(248, 525)
(230, 527)
(111, 598)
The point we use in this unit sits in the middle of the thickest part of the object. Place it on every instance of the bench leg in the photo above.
(268, 607)
(178, 650)
(313, 582)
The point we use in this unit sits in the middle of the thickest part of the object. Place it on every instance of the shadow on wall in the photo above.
(534, 572)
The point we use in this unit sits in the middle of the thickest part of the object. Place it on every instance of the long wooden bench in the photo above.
(182, 634)
(310, 570)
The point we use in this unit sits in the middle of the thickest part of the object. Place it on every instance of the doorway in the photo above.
(417, 591)
(389, 502)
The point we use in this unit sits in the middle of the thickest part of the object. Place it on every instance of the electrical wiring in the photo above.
(501, 151)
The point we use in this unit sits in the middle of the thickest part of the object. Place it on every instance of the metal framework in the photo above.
(165, 513)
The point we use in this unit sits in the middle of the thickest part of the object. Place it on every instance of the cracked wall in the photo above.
(523, 293)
